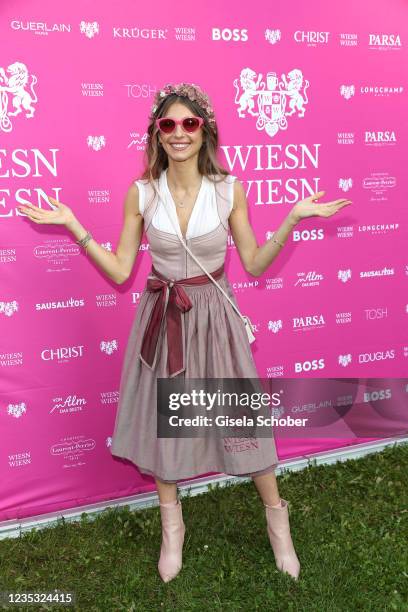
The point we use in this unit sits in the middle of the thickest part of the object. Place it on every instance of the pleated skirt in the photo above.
(215, 346)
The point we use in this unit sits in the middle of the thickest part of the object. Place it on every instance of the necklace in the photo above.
(182, 204)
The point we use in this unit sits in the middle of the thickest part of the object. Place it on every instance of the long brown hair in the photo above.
(155, 158)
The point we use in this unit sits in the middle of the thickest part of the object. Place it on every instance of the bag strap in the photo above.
(179, 234)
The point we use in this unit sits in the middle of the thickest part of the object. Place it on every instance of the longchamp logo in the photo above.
(13, 93)
(379, 228)
(272, 97)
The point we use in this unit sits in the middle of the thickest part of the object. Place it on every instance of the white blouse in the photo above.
(204, 216)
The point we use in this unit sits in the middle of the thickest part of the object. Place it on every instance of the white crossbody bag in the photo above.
(245, 319)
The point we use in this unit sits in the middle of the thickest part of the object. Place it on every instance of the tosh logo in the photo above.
(272, 97)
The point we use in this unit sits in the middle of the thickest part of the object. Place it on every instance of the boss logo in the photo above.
(227, 34)
(307, 366)
(308, 235)
(374, 396)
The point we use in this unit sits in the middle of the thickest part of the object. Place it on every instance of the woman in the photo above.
(184, 325)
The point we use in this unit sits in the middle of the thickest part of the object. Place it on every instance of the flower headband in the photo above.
(188, 90)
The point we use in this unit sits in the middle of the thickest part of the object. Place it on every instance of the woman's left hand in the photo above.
(309, 208)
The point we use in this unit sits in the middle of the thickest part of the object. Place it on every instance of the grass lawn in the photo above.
(349, 525)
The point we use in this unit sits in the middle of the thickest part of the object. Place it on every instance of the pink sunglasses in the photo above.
(167, 125)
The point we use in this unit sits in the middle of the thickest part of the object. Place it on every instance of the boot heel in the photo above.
(278, 528)
(173, 530)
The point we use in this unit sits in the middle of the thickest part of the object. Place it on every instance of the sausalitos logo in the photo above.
(273, 100)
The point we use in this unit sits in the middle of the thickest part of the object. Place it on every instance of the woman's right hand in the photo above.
(61, 215)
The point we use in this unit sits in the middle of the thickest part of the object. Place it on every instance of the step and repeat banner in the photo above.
(308, 97)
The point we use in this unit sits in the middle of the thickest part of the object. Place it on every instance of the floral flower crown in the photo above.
(188, 90)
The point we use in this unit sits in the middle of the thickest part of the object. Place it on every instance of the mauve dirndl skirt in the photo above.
(216, 346)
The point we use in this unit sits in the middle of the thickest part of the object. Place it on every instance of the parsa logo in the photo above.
(379, 136)
(227, 34)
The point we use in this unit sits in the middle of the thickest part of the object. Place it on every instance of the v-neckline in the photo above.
(174, 207)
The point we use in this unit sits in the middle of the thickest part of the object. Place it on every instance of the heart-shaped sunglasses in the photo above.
(167, 125)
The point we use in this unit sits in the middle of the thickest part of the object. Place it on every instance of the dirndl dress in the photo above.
(214, 344)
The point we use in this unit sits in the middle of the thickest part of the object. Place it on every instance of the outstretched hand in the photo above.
(310, 208)
(60, 215)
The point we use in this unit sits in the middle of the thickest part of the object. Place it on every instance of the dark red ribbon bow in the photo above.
(178, 302)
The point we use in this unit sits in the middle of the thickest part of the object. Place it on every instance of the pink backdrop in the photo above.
(308, 96)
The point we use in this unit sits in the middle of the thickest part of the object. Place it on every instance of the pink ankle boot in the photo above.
(281, 541)
(173, 530)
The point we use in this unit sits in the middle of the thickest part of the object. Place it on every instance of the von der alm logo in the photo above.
(271, 97)
(14, 84)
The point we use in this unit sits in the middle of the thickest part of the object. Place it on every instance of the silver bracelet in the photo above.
(84, 241)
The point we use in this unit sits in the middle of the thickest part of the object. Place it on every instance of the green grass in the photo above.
(349, 524)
